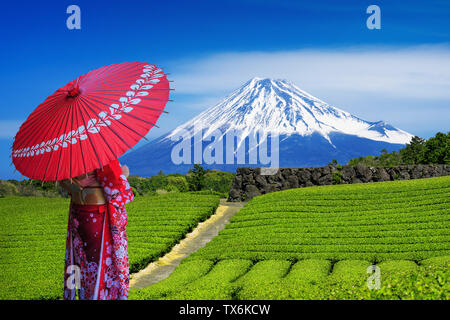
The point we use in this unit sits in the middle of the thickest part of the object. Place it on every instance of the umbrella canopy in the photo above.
(91, 121)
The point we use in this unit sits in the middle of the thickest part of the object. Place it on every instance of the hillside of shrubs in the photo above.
(196, 180)
(435, 150)
(325, 242)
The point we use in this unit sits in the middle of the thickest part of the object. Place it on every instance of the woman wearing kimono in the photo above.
(96, 261)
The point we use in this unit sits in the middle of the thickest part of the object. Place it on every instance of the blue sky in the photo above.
(400, 73)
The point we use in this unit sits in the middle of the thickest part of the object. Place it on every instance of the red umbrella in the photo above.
(91, 121)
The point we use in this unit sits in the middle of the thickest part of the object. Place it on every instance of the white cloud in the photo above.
(414, 72)
(408, 87)
(199, 104)
(9, 128)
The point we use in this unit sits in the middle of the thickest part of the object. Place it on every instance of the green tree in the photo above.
(219, 181)
(7, 189)
(179, 182)
(437, 149)
(196, 178)
(413, 152)
(334, 163)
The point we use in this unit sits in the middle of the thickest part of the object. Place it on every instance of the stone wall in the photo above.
(249, 183)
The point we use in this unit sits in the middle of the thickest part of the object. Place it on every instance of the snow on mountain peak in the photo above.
(278, 106)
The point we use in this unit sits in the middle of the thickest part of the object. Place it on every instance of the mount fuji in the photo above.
(309, 132)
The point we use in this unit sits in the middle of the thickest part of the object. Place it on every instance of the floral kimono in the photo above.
(96, 260)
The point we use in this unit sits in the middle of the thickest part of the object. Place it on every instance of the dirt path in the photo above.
(199, 237)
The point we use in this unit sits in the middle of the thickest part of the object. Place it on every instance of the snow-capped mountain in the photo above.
(280, 106)
(311, 132)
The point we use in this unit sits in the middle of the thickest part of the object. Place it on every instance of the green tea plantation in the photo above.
(387, 240)
(33, 234)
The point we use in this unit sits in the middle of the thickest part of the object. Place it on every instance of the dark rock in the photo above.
(363, 172)
(447, 168)
(249, 182)
(261, 181)
(416, 172)
(356, 180)
(285, 185)
(248, 179)
(309, 184)
(286, 172)
(393, 173)
(292, 181)
(326, 180)
(271, 188)
(272, 179)
(404, 175)
(237, 182)
(315, 176)
(326, 170)
(246, 171)
(380, 174)
(348, 173)
(439, 170)
(234, 195)
(426, 173)
(251, 191)
(303, 176)
(279, 176)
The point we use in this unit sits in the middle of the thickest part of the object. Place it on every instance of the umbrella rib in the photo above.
(47, 114)
(127, 82)
(81, 145)
(58, 94)
(143, 97)
(104, 70)
(121, 70)
(51, 102)
(29, 133)
(124, 78)
(71, 129)
(114, 130)
(121, 124)
(48, 134)
(148, 122)
(169, 89)
(96, 74)
(60, 154)
(113, 100)
(98, 130)
(89, 137)
(32, 130)
(52, 151)
(35, 122)
(121, 81)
